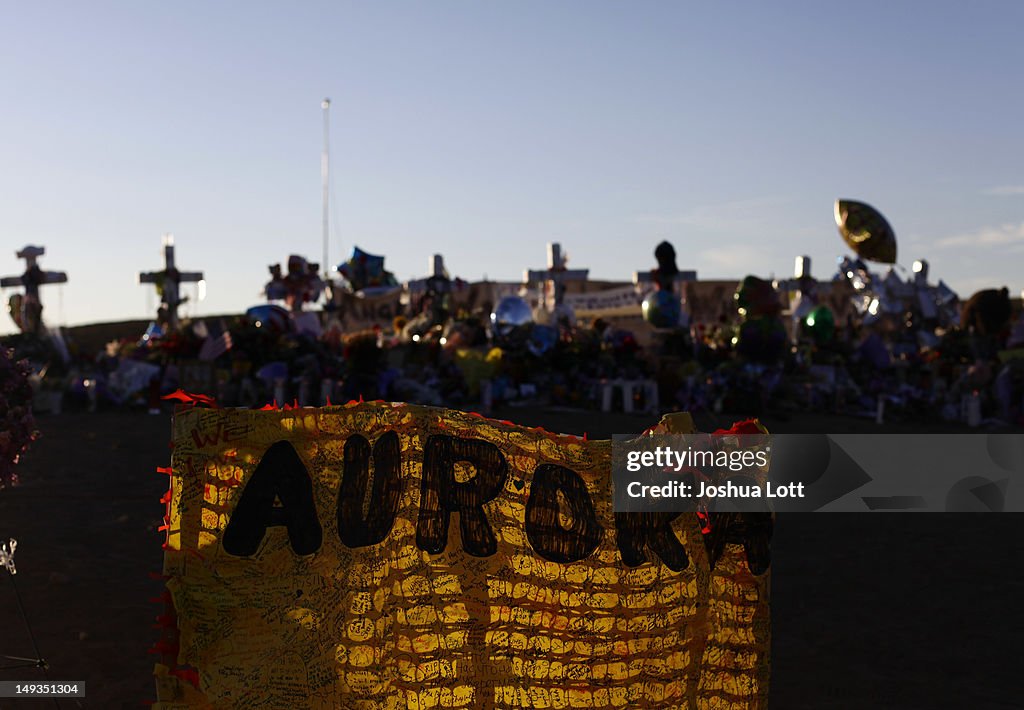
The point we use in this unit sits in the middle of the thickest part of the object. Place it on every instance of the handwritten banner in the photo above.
(624, 298)
(403, 557)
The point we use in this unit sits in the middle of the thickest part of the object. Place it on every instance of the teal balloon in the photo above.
(820, 324)
(662, 310)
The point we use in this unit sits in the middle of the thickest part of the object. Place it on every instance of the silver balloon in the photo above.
(854, 271)
(876, 297)
(947, 302)
(944, 294)
(802, 306)
(927, 304)
(895, 287)
(863, 303)
(891, 306)
(510, 313)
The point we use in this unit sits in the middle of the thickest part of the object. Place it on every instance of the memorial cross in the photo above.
(168, 281)
(31, 280)
(555, 276)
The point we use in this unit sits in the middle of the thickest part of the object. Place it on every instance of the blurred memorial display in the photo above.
(876, 340)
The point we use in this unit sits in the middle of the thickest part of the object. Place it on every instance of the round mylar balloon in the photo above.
(866, 231)
(662, 310)
(510, 313)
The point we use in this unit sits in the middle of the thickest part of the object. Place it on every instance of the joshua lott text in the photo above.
(678, 489)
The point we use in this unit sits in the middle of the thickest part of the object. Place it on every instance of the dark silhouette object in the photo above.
(986, 316)
(987, 312)
(666, 272)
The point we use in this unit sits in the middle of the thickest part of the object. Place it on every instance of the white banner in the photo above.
(623, 298)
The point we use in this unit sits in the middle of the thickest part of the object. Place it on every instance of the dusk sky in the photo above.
(482, 131)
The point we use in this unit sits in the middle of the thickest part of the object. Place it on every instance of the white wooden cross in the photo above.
(31, 280)
(170, 278)
(801, 271)
(647, 278)
(803, 293)
(556, 275)
(438, 281)
(439, 286)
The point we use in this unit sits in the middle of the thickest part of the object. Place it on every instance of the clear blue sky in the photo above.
(484, 130)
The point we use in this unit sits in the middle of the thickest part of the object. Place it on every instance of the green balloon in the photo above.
(820, 324)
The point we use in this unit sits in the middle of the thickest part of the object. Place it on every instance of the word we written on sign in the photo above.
(281, 475)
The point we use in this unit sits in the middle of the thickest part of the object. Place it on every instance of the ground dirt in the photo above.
(888, 611)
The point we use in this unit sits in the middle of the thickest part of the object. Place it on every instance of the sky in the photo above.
(483, 131)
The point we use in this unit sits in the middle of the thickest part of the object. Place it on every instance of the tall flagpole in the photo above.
(324, 174)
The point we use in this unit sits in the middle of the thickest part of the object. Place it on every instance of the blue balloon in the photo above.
(270, 317)
(662, 309)
(542, 339)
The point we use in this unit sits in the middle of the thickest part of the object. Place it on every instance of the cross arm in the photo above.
(646, 277)
(54, 277)
(152, 277)
(47, 277)
(533, 276)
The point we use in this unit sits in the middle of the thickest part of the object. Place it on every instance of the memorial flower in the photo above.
(17, 426)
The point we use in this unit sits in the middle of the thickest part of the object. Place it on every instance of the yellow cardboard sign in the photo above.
(403, 557)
